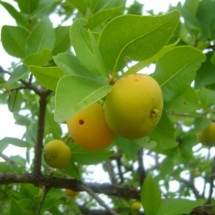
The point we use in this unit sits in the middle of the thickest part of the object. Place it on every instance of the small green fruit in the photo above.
(136, 206)
(57, 154)
(207, 135)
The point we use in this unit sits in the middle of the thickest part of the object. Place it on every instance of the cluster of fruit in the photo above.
(132, 109)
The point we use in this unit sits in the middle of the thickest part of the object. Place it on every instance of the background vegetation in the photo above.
(63, 68)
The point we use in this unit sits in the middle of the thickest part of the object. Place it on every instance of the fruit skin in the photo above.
(207, 135)
(89, 128)
(57, 154)
(71, 192)
(136, 206)
(134, 106)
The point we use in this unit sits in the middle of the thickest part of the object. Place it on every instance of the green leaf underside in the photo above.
(88, 157)
(150, 196)
(164, 134)
(174, 75)
(74, 93)
(14, 141)
(178, 206)
(47, 76)
(135, 37)
(187, 102)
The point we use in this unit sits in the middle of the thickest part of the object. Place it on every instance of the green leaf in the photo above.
(205, 75)
(135, 37)
(17, 208)
(14, 40)
(150, 196)
(13, 141)
(174, 75)
(18, 17)
(86, 48)
(178, 206)
(141, 64)
(164, 134)
(43, 36)
(87, 157)
(206, 17)
(47, 76)
(103, 16)
(187, 102)
(127, 147)
(44, 8)
(62, 42)
(39, 59)
(75, 93)
(80, 5)
(18, 73)
(28, 6)
(166, 167)
(15, 100)
(207, 97)
(70, 64)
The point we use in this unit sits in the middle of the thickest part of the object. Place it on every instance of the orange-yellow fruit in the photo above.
(89, 128)
(57, 154)
(136, 205)
(207, 135)
(71, 192)
(134, 106)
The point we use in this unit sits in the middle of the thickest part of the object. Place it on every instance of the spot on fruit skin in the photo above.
(81, 122)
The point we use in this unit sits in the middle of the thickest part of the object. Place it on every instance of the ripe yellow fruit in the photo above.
(134, 106)
(71, 192)
(89, 128)
(136, 206)
(57, 154)
(207, 135)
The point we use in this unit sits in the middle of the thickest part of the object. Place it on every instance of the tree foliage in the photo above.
(63, 68)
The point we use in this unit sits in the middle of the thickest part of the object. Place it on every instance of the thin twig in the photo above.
(46, 189)
(211, 182)
(141, 170)
(110, 170)
(7, 159)
(99, 200)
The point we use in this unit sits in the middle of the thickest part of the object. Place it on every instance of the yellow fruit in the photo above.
(134, 106)
(136, 206)
(89, 128)
(207, 135)
(57, 154)
(71, 192)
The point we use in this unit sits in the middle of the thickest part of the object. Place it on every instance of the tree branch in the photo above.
(126, 191)
(40, 131)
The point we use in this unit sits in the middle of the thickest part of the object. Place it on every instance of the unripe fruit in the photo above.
(134, 106)
(57, 154)
(207, 135)
(136, 206)
(89, 128)
(71, 192)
